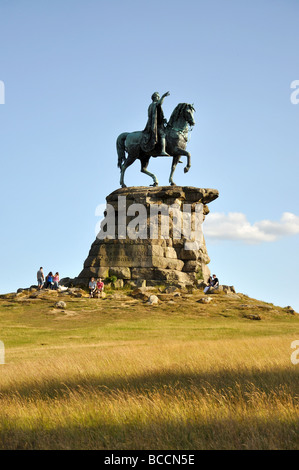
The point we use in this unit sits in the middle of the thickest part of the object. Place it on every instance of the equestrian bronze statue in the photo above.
(159, 138)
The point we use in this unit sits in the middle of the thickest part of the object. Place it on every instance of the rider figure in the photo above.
(154, 131)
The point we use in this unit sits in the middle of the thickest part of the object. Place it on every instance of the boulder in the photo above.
(290, 310)
(192, 266)
(135, 283)
(171, 289)
(252, 316)
(166, 297)
(228, 289)
(60, 304)
(175, 264)
(67, 282)
(170, 253)
(21, 294)
(76, 294)
(118, 284)
(205, 300)
(62, 289)
(143, 273)
(173, 276)
(103, 272)
(189, 255)
(35, 295)
(200, 283)
(155, 250)
(120, 297)
(222, 289)
(218, 290)
(233, 296)
(205, 272)
(120, 273)
(153, 300)
(141, 293)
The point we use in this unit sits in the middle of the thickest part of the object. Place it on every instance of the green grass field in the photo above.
(117, 373)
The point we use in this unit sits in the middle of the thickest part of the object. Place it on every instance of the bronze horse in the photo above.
(176, 141)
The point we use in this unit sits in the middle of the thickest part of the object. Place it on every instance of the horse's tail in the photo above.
(121, 149)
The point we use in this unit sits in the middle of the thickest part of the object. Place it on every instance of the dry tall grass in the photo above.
(167, 394)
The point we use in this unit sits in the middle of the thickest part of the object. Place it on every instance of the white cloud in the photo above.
(235, 226)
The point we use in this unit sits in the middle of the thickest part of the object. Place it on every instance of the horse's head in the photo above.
(189, 114)
(185, 111)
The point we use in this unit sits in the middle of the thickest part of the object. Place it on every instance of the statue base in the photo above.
(138, 249)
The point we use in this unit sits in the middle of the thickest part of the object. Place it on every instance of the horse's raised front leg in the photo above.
(124, 166)
(188, 155)
(175, 161)
(144, 165)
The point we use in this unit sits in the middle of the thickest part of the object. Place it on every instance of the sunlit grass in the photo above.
(159, 378)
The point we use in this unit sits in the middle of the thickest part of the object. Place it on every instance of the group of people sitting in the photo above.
(50, 282)
(213, 284)
(96, 287)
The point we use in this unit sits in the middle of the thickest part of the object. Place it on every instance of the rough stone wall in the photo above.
(158, 259)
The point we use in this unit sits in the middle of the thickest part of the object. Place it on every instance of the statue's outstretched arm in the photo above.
(162, 98)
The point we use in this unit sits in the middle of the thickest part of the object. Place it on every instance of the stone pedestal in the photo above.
(140, 236)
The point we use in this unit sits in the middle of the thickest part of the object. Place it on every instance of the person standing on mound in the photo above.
(40, 278)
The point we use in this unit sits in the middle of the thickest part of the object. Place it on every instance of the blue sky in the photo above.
(78, 73)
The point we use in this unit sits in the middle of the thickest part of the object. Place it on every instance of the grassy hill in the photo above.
(118, 373)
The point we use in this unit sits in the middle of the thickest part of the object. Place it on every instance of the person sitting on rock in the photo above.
(213, 284)
(92, 287)
(207, 288)
(100, 287)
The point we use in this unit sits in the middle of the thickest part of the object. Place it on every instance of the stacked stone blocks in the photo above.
(162, 259)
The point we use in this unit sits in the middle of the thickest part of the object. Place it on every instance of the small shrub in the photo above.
(110, 279)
